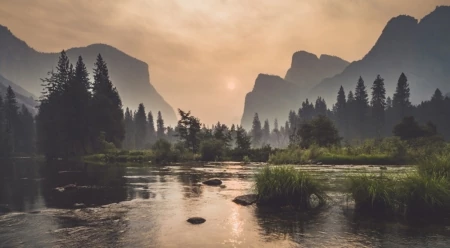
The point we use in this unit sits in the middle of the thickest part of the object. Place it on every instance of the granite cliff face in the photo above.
(25, 66)
(272, 97)
(420, 49)
(307, 70)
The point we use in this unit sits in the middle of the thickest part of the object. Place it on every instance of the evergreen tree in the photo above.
(189, 130)
(11, 120)
(320, 107)
(306, 112)
(76, 103)
(106, 106)
(151, 132)
(341, 111)
(400, 102)
(160, 129)
(3, 143)
(243, 141)
(129, 142)
(256, 131)
(26, 135)
(361, 107)
(266, 132)
(378, 104)
(140, 122)
(388, 103)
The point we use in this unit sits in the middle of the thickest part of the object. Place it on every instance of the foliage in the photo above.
(376, 194)
(409, 129)
(320, 131)
(189, 130)
(286, 186)
(212, 149)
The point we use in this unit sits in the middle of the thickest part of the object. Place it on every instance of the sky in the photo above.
(204, 55)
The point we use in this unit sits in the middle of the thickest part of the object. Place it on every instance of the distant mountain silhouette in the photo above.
(22, 96)
(272, 97)
(419, 49)
(25, 66)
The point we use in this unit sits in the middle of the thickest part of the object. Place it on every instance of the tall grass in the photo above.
(435, 165)
(286, 186)
(376, 194)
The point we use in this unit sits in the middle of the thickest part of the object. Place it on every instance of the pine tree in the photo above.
(341, 111)
(256, 131)
(320, 107)
(11, 120)
(129, 142)
(305, 113)
(26, 136)
(3, 144)
(107, 106)
(361, 105)
(400, 102)
(243, 141)
(140, 122)
(189, 130)
(160, 130)
(378, 104)
(151, 132)
(266, 132)
(76, 103)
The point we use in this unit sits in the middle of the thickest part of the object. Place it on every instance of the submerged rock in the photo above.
(246, 199)
(223, 186)
(196, 220)
(319, 163)
(67, 187)
(79, 205)
(213, 182)
(383, 168)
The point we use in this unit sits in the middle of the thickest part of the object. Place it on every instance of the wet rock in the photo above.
(319, 163)
(246, 199)
(66, 188)
(213, 182)
(145, 187)
(383, 168)
(35, 212)
(314, 201)
(79, 205)
(197, 184)
(223, 186)
(196, 220)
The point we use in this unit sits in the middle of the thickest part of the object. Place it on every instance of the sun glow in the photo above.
(231, 84)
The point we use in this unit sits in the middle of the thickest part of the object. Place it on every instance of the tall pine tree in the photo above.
(361, 108)
(256, 131)
(151, 132)
(400, 102)
(140, 121)
(160, 129)
(378, 104)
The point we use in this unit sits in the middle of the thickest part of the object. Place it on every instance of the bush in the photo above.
(163, 151)
(286, 186)
(212, 150)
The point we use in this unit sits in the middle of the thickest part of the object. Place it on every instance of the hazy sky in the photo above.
(204, 55)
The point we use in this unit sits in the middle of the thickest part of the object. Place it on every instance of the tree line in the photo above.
(17, 130)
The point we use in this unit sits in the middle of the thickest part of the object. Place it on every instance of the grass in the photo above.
(360, 159)
(376, 194)
(122, 157)
(286, 186)
(435, 165)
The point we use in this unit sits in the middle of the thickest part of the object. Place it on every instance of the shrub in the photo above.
(212, 149)
(286, 186)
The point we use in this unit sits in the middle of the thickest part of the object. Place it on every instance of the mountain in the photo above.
(307, 70)
(273, 97)
(26, 66)
(420, 49)
(22, 96)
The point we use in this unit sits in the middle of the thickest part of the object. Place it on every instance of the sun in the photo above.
(231, 85)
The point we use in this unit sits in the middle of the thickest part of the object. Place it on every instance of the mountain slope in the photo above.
(25, 66)
(273, 97)
(419, 49)
(22, 96)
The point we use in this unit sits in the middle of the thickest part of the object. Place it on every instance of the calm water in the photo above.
(148, 207)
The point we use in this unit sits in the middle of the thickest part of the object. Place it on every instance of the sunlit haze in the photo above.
(204, 56)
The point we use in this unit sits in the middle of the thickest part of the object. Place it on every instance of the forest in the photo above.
(77, 117)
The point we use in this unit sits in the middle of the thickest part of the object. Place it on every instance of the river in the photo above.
(119, 206)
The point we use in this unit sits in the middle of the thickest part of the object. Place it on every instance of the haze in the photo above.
(205, 55)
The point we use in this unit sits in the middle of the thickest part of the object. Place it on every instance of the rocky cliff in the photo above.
(25, 66)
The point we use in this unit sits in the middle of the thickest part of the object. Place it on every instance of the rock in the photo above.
(67, 187)
(246, 199)
(145, 187)
(196, 220)
(79, 205)
(222, 186)
(319, 163)
(213, 182)
(383, 168)
(197, 184)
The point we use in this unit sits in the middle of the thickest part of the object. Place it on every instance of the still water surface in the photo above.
(118, 206)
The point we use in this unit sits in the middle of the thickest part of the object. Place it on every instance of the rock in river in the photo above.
(213, 182)
(246, 199)
(196, 220)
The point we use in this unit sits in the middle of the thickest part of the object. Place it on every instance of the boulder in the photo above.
(246, 199)
(196, 220)
(222, 186)
(319, 163)
(213, 182)
(383, 168)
